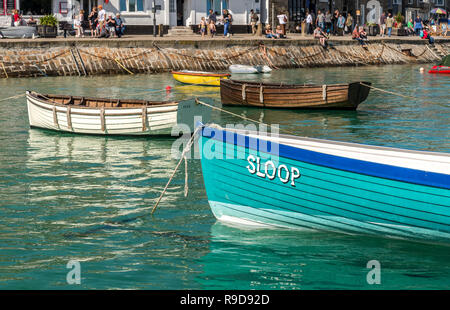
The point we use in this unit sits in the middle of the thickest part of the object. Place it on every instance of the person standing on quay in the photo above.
(282, 18)
(93, 21)
(389, 24)
(309, 21)
(17, 18)
(226, 23)
(320, 21)
(101, 19)
(212, 17)
(335, 20)
(418, 25)
(382, 24)
(328, 23)
(253, 21)
(348, 23)
(341, 24)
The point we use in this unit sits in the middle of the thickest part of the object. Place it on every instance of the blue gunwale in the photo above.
(402, 174)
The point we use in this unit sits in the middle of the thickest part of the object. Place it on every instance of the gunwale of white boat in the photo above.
(418, 160)
(50, 99)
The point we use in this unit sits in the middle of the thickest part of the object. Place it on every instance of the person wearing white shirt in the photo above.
(101, 18)
(282, 18)
(309, 21)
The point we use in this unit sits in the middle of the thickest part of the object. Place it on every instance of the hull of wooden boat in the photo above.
(199, 78)
(340, 96)
(340, 187)
(149, 120)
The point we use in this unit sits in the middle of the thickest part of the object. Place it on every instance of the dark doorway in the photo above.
(87, 6)
(180, 12)
(36, 7)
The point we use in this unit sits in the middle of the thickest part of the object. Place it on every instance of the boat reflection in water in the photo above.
(109, 174)
(246, 258)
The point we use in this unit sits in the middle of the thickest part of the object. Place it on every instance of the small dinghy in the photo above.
(199, 77)
(245, 69)
(443, 67)
(101, 116)
(263, 69)
(270, 180)
(18, 32)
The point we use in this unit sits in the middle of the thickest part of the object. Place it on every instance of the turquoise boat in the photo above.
(260, 180)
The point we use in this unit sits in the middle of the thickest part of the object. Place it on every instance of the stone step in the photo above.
(180, 31)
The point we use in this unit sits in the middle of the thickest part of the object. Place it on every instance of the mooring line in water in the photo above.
(183, 157)
(394, 93)
(13, 97)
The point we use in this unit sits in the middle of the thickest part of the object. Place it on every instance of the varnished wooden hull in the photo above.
(336, 96)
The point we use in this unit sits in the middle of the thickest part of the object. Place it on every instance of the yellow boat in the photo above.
(199, 77)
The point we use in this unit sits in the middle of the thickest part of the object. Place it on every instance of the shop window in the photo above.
(131, 5)
(7, 6)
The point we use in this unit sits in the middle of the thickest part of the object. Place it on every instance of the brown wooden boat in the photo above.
(292, 96)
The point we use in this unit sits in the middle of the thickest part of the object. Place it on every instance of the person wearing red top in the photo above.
(17, 18)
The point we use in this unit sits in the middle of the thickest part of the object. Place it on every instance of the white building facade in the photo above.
(139, 12)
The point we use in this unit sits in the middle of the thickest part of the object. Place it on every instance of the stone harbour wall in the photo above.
(32, 60)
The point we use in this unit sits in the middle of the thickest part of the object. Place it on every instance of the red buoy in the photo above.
(168, 88)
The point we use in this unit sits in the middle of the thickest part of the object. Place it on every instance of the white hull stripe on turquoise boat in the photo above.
(440, 180)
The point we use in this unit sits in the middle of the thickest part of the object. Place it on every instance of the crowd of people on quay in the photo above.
(101, 24)
(98, 23)
(324, 25)
(321, 25)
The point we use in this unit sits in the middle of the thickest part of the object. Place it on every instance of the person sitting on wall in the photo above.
(410, 27)
(120, 27)
(111, 26)
(360, 35)
(269, 33)
(31, 21)
(444, 29)
(426, 36)
(322, 36)
(279, 33)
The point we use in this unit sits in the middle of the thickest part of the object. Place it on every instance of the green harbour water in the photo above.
(88, 198)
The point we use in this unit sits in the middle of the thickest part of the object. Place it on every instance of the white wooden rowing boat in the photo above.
(101, 116)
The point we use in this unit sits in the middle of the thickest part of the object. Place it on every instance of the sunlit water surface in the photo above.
(73, 197)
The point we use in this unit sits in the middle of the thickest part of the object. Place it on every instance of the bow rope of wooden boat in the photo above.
(394, 93)
(13, 97)
(183, 157)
